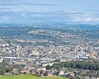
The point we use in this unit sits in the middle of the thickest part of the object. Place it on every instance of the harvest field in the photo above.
(29, 77)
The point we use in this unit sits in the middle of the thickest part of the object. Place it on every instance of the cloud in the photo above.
(4, 18)
(68, 17)
(83, 17)
(73, 11)
(88, 14)
(25, 3)
(5, 9)
(23, 14)
(91, 19)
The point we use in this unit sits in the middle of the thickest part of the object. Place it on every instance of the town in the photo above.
(37, 50)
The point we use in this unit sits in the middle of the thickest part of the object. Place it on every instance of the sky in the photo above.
(49, 11)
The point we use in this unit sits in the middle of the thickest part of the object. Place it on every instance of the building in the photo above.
(1, 59)
(61, 73)
(47, 73)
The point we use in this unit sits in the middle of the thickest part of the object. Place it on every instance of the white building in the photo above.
(1, 59)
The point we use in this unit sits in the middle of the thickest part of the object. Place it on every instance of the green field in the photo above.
(29, 77)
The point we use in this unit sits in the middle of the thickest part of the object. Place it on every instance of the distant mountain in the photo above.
(54, 26)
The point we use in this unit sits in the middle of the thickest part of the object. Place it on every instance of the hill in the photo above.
(29, 77)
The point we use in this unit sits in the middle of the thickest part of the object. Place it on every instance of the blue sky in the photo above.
(39, 11)
(50, 5)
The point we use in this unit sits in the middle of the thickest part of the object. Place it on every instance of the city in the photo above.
(49, 39)
(40, 49)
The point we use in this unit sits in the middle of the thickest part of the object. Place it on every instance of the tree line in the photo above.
(90, 65)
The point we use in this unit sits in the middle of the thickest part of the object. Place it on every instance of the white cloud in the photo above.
(23, 14)
(84, 19)
(91, 19)
(87, 14)
(4, 18)
(72, 11)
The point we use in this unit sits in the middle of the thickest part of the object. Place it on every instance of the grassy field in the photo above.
(29, 77)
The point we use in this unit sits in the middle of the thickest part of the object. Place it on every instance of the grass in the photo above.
(29, 77)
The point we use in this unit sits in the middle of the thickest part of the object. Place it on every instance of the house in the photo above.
(41, 74)
(15, 71)
(1, 59)
(50, 64)
(34, 72)
(70, 75)
(42, 68)
(62, 60)
(61, 73)
(48, 73)
(25, 71)
(29, 67)
(44, 64)
(20, 62)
